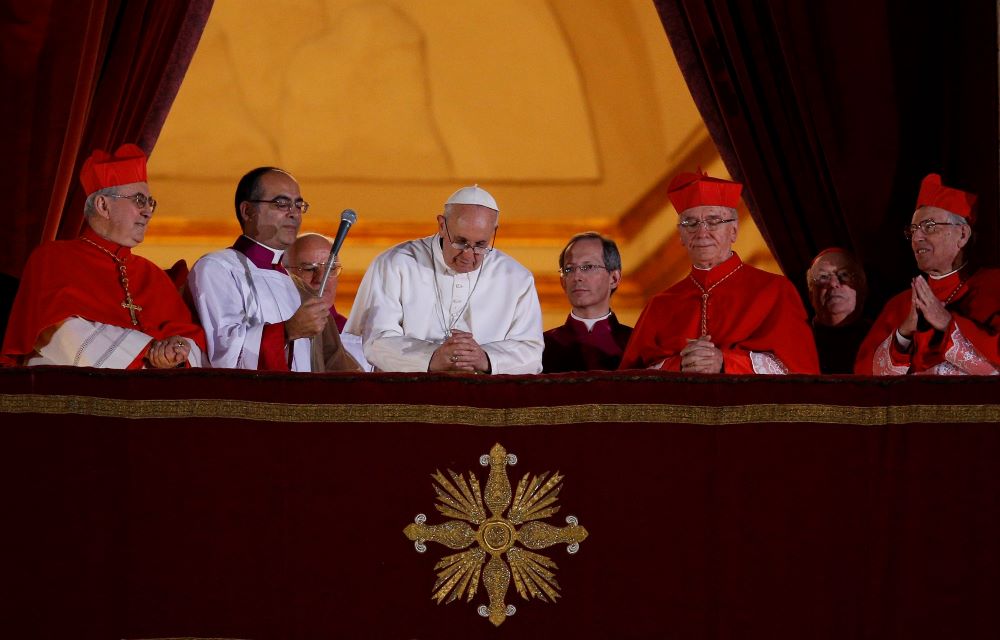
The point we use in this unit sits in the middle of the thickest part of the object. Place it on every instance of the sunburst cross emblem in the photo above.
(513, 520)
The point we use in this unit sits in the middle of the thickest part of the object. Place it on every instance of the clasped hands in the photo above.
(701, 356)
(168, 353)
(925, 303)
(460, 352)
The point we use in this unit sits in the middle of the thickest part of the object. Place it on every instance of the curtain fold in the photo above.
(85, 75)
(831, 114)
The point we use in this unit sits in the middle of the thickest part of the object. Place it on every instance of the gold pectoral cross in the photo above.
(132, 308)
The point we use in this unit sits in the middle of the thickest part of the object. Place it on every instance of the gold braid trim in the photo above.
(504, 417)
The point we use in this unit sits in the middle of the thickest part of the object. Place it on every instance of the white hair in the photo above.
(89, 208)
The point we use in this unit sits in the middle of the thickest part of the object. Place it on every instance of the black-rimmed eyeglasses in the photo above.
(285, 204)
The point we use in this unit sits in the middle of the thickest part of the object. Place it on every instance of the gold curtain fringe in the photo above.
(499, 417)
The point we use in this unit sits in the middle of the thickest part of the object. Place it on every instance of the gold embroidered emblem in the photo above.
(513, 520)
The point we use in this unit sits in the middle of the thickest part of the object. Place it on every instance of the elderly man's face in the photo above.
(306, 260)
(264, 221)
(836, 283)
(589, 293)
(470, 225)
(939, 251)
(127, 221)
(708, 244)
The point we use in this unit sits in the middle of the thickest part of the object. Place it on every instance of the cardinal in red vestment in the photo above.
(91, 301)
(726, 316)
(948, 321)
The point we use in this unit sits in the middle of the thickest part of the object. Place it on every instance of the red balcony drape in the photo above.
(78, 76)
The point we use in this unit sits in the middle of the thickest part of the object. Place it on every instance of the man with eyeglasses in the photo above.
(726, 316)
(451, 302)
(252, 312)
(305, 261)
(590, 268)
(948, 321)
(91, 301)
(837, 291)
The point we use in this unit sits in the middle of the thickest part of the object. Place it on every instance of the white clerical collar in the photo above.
(694, 266)
(590, 322)
(277, 253)
(941, 277)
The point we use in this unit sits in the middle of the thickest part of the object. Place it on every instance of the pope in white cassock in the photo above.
(451, 302)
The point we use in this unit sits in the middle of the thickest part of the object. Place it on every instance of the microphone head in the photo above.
(349, 216)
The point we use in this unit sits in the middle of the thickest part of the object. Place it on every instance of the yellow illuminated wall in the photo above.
(571, 112)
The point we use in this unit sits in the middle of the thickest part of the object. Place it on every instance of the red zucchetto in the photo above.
(699, 190)
(102, 170)
(935, 194)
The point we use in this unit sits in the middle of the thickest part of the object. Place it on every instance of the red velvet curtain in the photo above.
(831, 113)
(81, 75)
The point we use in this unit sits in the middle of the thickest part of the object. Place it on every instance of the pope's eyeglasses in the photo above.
(477, 249)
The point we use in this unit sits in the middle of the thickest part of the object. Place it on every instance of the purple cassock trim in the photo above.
(259, 255)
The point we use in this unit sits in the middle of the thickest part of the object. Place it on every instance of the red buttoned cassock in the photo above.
(749, 310)
(67, 278)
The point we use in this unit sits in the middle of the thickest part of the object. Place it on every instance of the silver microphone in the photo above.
(347, 218)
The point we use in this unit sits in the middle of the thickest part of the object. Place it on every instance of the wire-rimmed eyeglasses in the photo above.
(478, 249)
(928, 227)
(141, 200)
(309, 269)
(582, 268)
(843, 276)
(691, 224)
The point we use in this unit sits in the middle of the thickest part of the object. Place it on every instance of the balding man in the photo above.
(306, 262)
(837, 291)
(948, 321)
(451, 302)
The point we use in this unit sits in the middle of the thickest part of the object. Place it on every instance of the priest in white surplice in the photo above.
(253, 315)
(451, 302)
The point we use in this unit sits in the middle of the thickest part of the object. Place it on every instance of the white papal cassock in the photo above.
(410, 298)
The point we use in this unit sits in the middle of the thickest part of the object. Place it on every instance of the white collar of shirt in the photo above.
(590, 322)
(945, 275)
(694, 266)
(277, 252)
